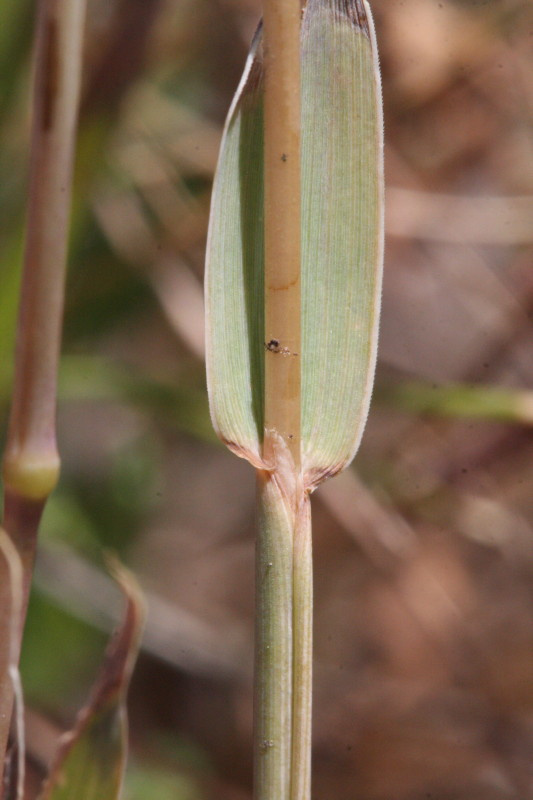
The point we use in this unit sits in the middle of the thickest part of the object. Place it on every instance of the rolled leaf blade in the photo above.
(342, 245)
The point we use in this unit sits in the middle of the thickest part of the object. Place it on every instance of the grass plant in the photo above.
(292, 313)
(423, 552)
(298, 308)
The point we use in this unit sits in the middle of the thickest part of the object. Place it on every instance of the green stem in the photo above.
(273, 642)
(284, 614)
(302, 661)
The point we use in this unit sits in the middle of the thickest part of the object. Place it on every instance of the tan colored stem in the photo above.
(31, 461)
(282, 681)
(282, 223)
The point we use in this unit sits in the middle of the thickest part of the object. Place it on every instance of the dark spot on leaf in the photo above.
(354, 10)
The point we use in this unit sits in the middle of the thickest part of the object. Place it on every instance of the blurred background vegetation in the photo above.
(423, 550)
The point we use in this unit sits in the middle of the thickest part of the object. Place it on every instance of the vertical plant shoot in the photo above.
(279, 486)
(293, 281)
(31, 461)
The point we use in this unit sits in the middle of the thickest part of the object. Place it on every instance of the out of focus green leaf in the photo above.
(85, 378)
(461, 400)
(154, 784)
(15, 30)
(10, 261)
(59, 654)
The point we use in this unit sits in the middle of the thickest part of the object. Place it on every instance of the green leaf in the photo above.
(92, 378)
(342, 201)
(91, 759)
(234, 272)
(499, 403)
(145, 783)
(342, 245)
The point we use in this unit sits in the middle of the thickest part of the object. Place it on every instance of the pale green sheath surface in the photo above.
(234, 273)
(342, 245)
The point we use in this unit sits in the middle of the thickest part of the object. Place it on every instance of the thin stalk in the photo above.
(283, 700)
(302, 443)
(284, 633)
(302, 615)
(273, 643)
(31, 460)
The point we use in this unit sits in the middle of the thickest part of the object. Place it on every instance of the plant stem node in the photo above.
(32, 476)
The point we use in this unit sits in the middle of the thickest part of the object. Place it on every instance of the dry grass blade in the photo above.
(11, 605)
(91, 759)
